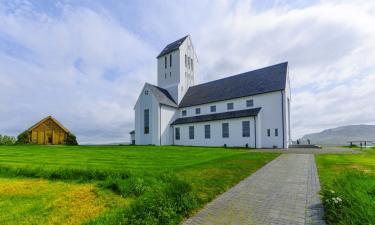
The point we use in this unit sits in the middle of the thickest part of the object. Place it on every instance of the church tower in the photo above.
(177, 66)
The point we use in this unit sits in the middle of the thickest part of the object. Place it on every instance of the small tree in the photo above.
(71, 139)
(7, 140)
(23, 138)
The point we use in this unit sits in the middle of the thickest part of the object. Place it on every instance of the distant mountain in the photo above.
(341, 135)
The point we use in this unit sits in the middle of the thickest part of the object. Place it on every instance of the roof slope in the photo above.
(172, 46)
(162, 95)
(53, 119)
(218, 116)
(268, 79)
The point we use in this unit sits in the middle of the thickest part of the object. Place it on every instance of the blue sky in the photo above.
(84, 62)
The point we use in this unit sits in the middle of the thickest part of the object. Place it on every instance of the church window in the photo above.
(177, 133)
(276, 132)
(183, 112)
(230, 105)
(146, 121)
(185, 61)
(225, 130)
(249, 103)
(192, 67)
(165, 76)
(213, 108)
(165, 62)
(170, 60)
(146, 92)
(198, 111)
(170, 74)
(191, 132)
(188, 62)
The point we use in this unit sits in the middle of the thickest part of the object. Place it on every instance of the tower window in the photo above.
(269, 132)
(170, 74)
(185, 61)
(198, 111)
(276, 132)
(188, 62)
(170, 60)
(165, 62)
(192, 67)
(213, 108)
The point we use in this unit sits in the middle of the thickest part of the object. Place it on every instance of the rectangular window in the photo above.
(185, 61)
(268, 132)
(165, 62)
(198, 111)
(245, 128)
(188, 62)
(213, 108)
(249, 103)
(165, 76)
(191, 132)
(146, 121)
(276, 132)
(183, 112)
(170, 74)
(177, 133)
(230, 105)
(207, 131)
(192, 65)
(170, 60)
(225, 127)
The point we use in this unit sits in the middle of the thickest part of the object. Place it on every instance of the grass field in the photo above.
(348, 187)
(116, 184)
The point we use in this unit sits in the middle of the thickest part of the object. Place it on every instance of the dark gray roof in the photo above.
(268, 79)
(218, 116)
(172, 46)
(162, 95)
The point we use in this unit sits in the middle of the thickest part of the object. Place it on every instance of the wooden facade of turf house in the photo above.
(48, 131)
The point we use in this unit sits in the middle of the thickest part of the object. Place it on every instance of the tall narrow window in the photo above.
(146, 121)
(276, 132)
(249, 103)
(165, 76)
(170, 60)
(230, 105)
(192, 65)
(213, 108)
(225, 128)
(165, 62)
(191, 132)
(268, 132)
(185, 61)
(170, 74)
(245, 128)
(198, 111)
(207, 131)
(177, 133)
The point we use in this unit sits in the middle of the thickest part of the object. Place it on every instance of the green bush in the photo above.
(23, 138)
(7, 140)
(71, 139)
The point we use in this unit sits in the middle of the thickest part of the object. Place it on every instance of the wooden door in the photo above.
(41, 137)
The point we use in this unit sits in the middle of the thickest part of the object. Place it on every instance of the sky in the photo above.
(85, 62)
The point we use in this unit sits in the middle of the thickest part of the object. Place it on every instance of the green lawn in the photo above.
(119, 184)
(348, 187)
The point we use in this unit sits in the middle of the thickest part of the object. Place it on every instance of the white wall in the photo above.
(146, 102)
(270, 117)
(168, 115)
(216, 139)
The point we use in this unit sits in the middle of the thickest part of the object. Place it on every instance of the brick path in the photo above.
(282, 192)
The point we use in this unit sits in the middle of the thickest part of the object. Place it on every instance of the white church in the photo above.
(250, 109)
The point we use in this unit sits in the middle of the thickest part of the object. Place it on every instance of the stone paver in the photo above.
(282, 192)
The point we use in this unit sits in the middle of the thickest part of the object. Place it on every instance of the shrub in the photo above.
(7, 140)
(71, 139)
(23, 138)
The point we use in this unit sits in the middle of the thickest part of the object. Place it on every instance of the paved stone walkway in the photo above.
(282, 192)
